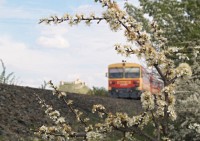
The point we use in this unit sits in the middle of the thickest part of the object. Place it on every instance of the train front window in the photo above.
(132, 72)
(115, 72)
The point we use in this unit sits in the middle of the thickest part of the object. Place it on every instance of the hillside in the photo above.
(20, 113)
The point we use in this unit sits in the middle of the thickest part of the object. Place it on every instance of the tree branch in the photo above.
(161, 74)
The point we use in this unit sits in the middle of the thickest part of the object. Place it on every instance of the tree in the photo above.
(179, 21)
(187, 125)
(174, 17)
(158, 109)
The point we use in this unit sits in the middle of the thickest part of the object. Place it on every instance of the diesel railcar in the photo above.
(129, 80)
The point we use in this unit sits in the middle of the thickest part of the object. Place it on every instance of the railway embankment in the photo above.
(21, 115)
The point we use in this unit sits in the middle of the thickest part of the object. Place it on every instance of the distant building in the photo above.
(76, 86)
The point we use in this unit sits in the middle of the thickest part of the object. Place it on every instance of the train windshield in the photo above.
(132, 72)
(115, 72)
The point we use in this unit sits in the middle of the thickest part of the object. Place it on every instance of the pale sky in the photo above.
(37, 52)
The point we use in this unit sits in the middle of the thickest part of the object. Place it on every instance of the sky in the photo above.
(39, 52)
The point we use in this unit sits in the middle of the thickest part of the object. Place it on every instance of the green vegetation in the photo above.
(178, 19)
(98, 91)
(178, 22)
(6, 78)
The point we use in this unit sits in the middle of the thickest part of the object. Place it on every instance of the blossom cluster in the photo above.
(100, 109)
(61, 127)
(122, 120)
(94, 136)
(182, 71)
(195, 127)
(147, 100)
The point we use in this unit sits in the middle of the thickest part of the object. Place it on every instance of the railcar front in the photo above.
(124, 80)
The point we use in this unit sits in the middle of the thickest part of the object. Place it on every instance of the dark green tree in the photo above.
(179, 19)
(179, 22)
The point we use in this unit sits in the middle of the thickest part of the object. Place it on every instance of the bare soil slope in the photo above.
(21, 115)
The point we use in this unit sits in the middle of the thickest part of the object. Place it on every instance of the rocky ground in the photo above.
(21, 115)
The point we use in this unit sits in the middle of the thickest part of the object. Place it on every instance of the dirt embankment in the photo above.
(20, 113)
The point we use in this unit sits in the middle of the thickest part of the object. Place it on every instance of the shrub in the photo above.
(98, 91)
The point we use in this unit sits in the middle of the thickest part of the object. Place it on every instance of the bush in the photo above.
(98, 91)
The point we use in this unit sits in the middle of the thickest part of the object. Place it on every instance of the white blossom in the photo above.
(94, 136)
(147, 100)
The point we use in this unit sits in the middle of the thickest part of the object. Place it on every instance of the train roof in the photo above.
(124, 64)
